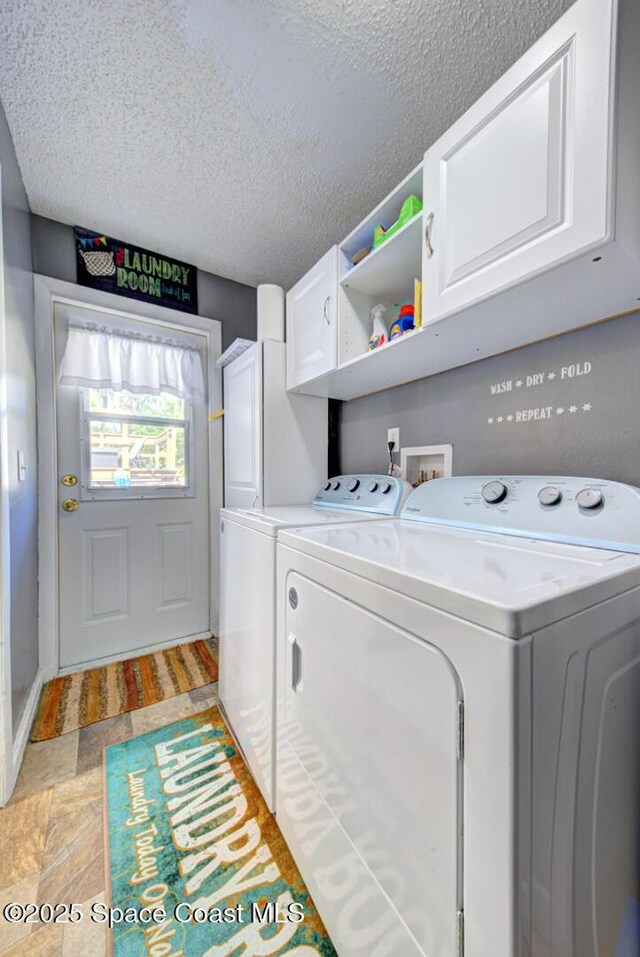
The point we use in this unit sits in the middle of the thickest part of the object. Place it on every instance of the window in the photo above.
(135, 441)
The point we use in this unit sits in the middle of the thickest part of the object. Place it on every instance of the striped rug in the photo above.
(74, 701)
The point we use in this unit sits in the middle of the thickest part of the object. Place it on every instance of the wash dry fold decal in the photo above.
(198, 866)
(113, 266)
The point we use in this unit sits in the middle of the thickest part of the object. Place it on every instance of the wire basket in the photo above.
(99, 262)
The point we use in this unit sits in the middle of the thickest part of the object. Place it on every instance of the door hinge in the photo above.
(460, 730)
(460, 934)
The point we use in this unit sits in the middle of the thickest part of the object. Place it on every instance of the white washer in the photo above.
(458, 760)
(247, 602)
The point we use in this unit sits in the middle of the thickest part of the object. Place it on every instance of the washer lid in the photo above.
(271, 519)
(512, 586)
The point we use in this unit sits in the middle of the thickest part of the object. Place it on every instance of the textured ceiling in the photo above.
(245, 136)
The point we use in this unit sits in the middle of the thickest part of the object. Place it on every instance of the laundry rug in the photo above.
(74, 701)
(189, 832)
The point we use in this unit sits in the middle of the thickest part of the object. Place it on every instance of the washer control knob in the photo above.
(335, 486)
(353, 485)
(327, 486)
(549, 495)
(590, 498)
(494, 492)
(385, 488)
(372, 487)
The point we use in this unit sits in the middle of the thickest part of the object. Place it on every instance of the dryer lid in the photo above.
(511, 585)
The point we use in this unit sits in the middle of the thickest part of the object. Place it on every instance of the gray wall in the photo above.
(20, 359)
(599, 438)
(54, 254)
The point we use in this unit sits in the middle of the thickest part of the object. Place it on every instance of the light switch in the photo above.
(22, 467)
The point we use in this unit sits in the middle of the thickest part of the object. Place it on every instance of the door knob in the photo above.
(69, 480)
(70, 504)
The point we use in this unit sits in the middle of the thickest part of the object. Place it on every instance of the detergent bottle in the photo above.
(379, 328)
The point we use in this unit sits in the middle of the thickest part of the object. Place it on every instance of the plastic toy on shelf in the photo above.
(411, 206)
(404, 323)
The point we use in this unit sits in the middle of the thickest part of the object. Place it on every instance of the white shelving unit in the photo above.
(495, 326)
(386, 275)
(521, 238)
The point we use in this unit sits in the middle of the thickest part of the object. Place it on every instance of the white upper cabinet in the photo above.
(523, 180)
(243, 429)
(531, 215)
(312, 334)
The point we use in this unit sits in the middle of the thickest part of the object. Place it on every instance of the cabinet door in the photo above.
(522, 181)
(243, 430)
(311, 322)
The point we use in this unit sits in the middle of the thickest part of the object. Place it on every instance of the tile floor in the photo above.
(51, 833)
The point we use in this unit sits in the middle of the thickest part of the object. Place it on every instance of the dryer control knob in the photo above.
(549, 495)
(385, 488)
(372, 487)
(590, 498)
(327, 486)
(353, 485)
(335, 486)
(494, 492)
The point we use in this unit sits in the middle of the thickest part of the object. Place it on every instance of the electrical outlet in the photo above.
(393, 435)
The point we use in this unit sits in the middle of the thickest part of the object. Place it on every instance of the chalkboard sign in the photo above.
(113, 266)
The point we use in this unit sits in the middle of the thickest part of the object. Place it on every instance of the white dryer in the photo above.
(458, 762)
(247, 602)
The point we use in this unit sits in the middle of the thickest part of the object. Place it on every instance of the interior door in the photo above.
(368, 777)
(312, 335)
(133, 528)
(243, 477)
(522, 181)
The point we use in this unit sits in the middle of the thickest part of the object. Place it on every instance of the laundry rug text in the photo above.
(198, 866)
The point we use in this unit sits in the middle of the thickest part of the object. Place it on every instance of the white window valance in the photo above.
(101, 358)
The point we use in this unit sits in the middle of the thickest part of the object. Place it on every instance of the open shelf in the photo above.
(390, 269)
(385, 214)
(385, 276)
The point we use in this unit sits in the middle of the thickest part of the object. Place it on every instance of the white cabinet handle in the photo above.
(325, 311)
(296, 662)
(427, 234)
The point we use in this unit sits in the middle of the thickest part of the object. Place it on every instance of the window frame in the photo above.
(89, 493)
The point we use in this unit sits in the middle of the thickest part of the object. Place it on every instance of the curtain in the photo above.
(99, 358)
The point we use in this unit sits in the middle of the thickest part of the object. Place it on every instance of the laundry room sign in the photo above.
(114, 266)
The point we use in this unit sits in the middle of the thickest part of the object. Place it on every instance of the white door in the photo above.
(368, 777)
(134, 544)
(312, 335)
(243, 430)
(522, 181)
